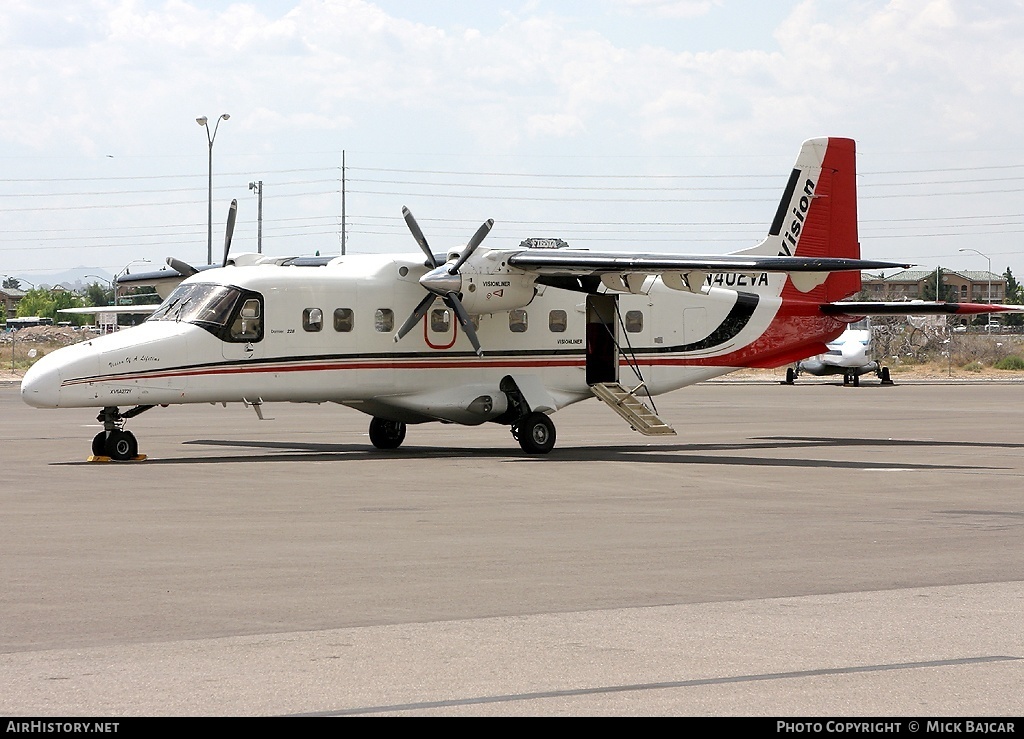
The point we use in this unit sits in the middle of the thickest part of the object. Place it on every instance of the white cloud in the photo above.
(128, 77)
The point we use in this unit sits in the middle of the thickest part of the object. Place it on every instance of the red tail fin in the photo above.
(818, 215)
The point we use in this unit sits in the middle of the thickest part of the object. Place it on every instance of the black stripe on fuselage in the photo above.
(737, 319)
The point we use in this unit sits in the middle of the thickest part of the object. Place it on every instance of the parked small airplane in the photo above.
(846, 356)
(507, 335)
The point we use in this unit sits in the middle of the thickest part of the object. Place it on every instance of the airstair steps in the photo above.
(628, 405)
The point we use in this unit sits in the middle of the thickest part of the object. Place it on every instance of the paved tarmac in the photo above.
(806, 550)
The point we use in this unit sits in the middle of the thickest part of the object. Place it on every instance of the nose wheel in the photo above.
(113, 441)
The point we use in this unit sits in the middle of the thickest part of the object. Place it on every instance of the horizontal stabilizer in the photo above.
(914, 308)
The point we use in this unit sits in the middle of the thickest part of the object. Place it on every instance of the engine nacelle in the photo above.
(489, 285)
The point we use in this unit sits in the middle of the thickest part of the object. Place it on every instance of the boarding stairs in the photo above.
(628, 405)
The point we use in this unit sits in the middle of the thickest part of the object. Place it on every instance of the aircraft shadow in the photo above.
(686, 454)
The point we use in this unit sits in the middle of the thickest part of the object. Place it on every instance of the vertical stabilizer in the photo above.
(817, 216)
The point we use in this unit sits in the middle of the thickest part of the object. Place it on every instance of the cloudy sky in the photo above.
(656, 125)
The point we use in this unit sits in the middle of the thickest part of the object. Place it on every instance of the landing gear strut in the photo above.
(386, 434)
(113, 441)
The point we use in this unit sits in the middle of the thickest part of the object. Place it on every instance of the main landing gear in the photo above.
(386, 434)
(113, 441)
(535, 433)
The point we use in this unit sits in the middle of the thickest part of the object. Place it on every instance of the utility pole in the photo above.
(258, 187)
(344, 236)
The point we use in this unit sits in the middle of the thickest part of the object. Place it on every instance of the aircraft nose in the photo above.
(853, 351)
(41, 385)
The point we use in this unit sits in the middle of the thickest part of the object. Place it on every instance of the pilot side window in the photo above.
(312, 319)
(558, 321)
(634, 321)
(248, 325)
(344, 320)
(384, 320)
(517, 322)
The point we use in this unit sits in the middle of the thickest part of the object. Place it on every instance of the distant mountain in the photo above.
(72, 279)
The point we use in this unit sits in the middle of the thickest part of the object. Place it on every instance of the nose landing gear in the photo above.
(113, 442)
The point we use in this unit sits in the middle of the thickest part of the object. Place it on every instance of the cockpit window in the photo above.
(224, 311)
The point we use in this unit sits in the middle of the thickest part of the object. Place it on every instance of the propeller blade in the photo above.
(416, 317)
(453, 302)
(230, 230)
(182, 268)
(480, 235)
(418, 235)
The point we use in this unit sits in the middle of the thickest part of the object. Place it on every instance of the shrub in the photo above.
(1012, 362)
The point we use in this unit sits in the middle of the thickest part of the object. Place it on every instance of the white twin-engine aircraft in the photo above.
(506, 335)
(846, 356)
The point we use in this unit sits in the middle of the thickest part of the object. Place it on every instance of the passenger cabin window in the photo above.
(344, 319)
(440, 320)
(558, 321)
(517, 322)
(634, 321)
(384, 320)
(312, 319)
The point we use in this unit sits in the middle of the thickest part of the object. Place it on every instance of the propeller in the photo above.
(183, 268)
(187, 270)
(444, 281)
(229, 230)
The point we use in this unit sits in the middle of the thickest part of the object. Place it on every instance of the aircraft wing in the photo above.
(806, 272)
(559, 262)
(915, 308)
(120, 309)
(163, 280)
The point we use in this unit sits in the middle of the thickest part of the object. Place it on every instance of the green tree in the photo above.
(12, 283)
(98, 294)
(946, 292)
(46, 303)
(1014, 296)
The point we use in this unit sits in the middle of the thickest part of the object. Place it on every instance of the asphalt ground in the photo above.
(807, 550)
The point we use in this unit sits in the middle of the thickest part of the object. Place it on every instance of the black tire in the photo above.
(99, 444)
(886, 379)
(856, 380)
(536, 434)
(790, 375)
(122, 446)
(387, 434)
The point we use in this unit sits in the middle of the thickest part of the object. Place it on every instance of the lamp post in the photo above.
(202, 121)
(109, 282)
(988, 316)
(19, 279)
(117, 277)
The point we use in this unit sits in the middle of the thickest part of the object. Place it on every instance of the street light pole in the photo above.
(202, 121)
(988, 316)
